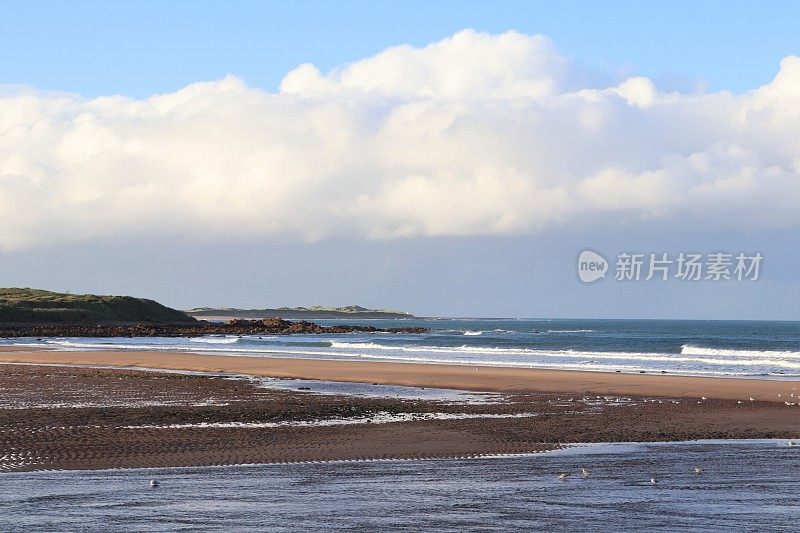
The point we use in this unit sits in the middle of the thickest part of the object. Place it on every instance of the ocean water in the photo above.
(746, 486)
(724, 348)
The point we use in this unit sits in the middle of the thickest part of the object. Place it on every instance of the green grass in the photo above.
(39, 306)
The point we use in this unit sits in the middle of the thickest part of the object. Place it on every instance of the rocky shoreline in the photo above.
(268, 326)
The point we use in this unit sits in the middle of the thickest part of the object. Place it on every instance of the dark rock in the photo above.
(237, 326)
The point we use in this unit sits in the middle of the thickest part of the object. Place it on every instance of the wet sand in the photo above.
(465, 377)
(56, 417)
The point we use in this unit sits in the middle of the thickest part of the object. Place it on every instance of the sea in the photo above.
(686, 347)
(745, 486)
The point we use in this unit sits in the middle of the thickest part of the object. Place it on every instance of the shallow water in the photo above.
(379, 391)
(747, 486)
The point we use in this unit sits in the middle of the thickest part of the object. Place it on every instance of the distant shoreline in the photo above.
(348, 313)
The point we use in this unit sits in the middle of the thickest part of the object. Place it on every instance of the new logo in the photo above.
(591, 266)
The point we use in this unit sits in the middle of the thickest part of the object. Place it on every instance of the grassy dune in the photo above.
(40, 306)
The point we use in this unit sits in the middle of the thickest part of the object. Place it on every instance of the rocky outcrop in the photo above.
(268, 326)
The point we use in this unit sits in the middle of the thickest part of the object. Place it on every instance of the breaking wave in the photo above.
(688, 349)
(215, 340)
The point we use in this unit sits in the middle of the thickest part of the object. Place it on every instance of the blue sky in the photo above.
(146, 47)
(418, 165)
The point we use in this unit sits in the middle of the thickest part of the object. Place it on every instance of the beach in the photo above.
(219, 410)
(467, 377)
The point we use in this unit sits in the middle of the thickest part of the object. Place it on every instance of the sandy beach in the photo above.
(480, 378)
(61, 410)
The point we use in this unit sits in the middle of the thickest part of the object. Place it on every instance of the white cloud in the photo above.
(474, 135)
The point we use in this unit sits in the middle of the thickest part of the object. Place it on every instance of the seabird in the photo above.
(585, 472)
(154, 483)
(752, 399)
(698, 470)
(653, 480)
(703, 398)
(563, 476)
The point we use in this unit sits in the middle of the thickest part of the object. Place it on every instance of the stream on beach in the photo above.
(745, 486)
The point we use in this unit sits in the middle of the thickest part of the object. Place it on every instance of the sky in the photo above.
(446, 158)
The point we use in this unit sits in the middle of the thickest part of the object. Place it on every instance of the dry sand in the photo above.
(480, 378)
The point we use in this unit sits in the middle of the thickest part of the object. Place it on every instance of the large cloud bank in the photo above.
(474, 135)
